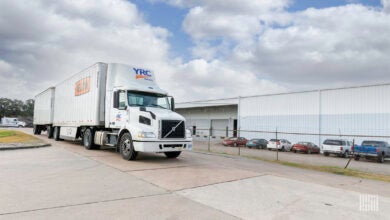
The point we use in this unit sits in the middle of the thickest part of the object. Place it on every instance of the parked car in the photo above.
(378, 150)
(234, 141)
(339, 147)
(280, 144)
(257, 143)
(306, 147)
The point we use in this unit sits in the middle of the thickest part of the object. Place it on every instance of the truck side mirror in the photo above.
(172, 104)
(116, 99)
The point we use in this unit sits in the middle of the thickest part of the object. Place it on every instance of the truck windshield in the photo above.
(145, 99)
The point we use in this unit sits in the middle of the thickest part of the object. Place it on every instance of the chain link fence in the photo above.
(205, 141)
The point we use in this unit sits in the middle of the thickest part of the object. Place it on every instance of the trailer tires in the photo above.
(36, 130)
(126, 147)
(88, 141)
(49, 131)
(56, 133)
(172, 154)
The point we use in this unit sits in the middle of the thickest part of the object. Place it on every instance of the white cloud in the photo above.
(46, 42)
(386, 5)
(237, 20)
(241, 47)
(216, 79)
(327, 47)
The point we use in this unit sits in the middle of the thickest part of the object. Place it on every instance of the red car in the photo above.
(234, 141)
(306, 147)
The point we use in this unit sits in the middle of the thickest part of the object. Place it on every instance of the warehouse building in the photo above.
(217, 118)
(350, 113)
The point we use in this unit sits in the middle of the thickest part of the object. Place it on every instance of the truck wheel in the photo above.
(344, 155)
(126, 147)
(49, 131)
(56, 133)
(357, 157)
(326, 154)
(37, 130)
(381, 158)
(88, 139)
(172, 154)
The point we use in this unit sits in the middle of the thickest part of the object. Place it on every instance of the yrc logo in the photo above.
(143, 74)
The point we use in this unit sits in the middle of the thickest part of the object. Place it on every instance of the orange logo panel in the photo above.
(82, 86)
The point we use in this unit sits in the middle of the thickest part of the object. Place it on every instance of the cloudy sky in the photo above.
(199, 49)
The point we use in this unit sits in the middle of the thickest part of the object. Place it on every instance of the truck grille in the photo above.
(168, 131)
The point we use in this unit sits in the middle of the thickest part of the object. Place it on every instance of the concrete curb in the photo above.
(18, 146)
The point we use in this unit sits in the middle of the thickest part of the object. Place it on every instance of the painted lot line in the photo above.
(271, 197)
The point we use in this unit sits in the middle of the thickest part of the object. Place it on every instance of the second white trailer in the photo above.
(44, 112)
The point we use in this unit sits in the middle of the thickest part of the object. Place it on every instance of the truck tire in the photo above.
(56, 133)
(172, 154)
(37, 130)
(357, 157)
(126, 147)
(345, 154)
(49, 131)
(88, 141)
(326, 154)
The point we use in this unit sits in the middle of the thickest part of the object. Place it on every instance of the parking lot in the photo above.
(65, 181)
(370, 166)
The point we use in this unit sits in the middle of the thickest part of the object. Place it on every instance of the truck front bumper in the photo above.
(158, 146)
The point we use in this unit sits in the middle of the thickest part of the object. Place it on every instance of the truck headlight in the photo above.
(188, 133)
(146, 135)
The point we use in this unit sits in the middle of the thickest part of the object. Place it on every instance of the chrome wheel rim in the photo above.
(126, 145)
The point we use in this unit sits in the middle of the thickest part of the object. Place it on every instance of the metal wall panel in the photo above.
(295, 112)
(347, 111)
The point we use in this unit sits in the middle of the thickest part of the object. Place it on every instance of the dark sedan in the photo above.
(305, 147)
(257, 143)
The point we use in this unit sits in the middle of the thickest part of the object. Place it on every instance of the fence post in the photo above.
(227, 131)
(353, 144)
(238, 136)
(277, 150)
(209, 138)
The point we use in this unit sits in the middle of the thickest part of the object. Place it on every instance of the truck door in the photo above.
(119, 115)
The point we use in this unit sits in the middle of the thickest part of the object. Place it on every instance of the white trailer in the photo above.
(120, 106)
(44, 112)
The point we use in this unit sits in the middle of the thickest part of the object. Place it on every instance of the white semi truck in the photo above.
(120, 106)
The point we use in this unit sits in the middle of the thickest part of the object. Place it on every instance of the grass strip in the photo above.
(11, 136)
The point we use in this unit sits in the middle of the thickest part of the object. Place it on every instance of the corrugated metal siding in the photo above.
(350, 111)
(71, 110)
(43, 107)
(296, 112)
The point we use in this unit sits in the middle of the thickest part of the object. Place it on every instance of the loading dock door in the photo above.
(219, 127)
